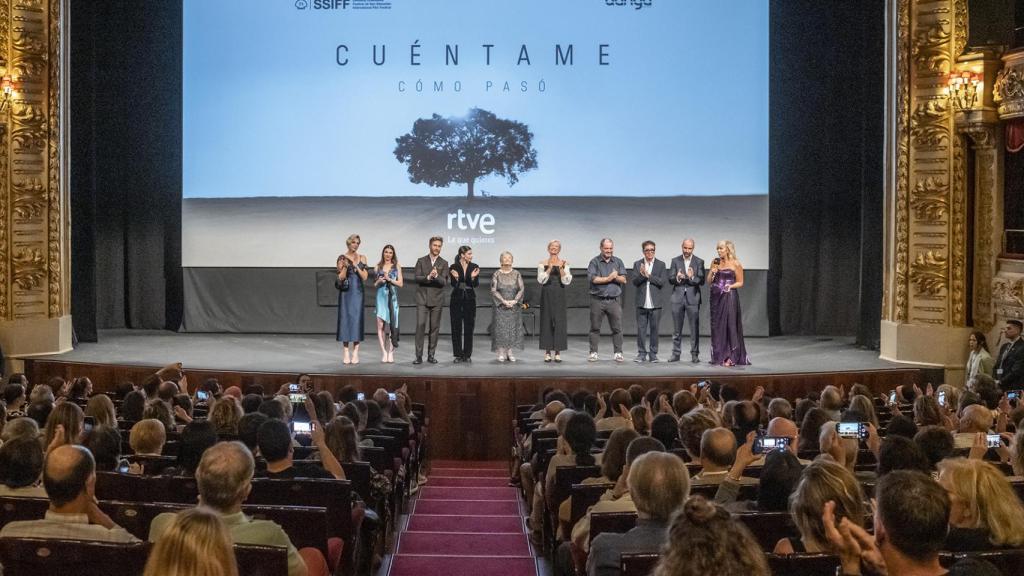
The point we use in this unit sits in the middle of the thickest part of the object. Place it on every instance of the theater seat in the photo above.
(803, 564)
(36, 556)
(637, 564)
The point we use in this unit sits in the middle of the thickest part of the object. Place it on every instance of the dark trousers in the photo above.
(683, 314)
(463, 320)
(647, 331)
(599, 308)
(428, 320)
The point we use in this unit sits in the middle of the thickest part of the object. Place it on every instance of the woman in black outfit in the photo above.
(465, 277)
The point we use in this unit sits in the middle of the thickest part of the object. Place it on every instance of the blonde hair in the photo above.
(865, 406)
(225, 414)
(101, 408)
(147, 436)
(555, 241)
(197, 543)
(821, 481)
(1017, 453)
(730, 249)
(987, 496)
(352, 238)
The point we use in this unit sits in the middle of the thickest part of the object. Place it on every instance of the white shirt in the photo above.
(649, 266)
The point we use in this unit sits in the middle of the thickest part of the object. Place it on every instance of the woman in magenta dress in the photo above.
(727, 347)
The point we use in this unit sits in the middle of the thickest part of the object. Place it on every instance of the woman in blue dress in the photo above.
(389, 280)
(351, 275)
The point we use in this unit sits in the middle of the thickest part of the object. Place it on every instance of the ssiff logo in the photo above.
(323, 4)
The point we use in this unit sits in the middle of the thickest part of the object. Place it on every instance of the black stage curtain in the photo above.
(125, 119)
(826, 169)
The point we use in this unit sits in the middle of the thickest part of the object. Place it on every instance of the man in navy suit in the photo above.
(1009, 367)
(649, 276)
(686, 275)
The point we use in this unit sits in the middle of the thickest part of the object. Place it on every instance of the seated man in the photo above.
(69, 477)
(786, 428)
(21, 465)
(275, 442)
(659, 485)
(974, 420)
(224, 477)
(717, 454)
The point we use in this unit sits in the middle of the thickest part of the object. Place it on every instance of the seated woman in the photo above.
(985, 513)
(823, 480)
(612, 462)
(705, 539)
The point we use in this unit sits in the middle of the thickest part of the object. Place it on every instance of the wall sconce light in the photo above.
(962, 89)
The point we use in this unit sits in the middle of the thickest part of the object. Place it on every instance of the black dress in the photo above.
(553, 322)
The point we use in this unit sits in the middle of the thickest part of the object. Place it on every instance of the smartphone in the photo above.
(202, 395)
(993, 440)
(293, 387)
(360, 396)
(892, 397)
(302, 428)
(297, 398)
(854, 430)
(702, 384)
(942, 398)
(1014, 394)
(764, 444)
(392, 396)
(90, 421)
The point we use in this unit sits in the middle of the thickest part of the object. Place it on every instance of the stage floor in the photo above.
(320, 354)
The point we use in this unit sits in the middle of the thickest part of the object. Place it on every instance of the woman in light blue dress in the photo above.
(351, 275)
(388, 281)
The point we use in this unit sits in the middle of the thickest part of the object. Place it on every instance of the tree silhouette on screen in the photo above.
(443, 151)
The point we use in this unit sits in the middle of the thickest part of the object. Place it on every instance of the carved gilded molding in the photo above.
(5, 233)
(901, 211)
(958, 235)
(58, 231)
(930, 200)
(1008, 88)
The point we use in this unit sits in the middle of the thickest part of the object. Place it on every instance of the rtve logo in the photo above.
(636, 4)
(323, 4)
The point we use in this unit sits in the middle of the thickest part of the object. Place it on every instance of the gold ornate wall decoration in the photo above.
(5, 233)
(901, 210)
(931, 47)
(960, 27)
(929, 273)
(1008, 92)
(930, 199)
(29, 199)
(930, 124)
(958, 235)
(59, 225)
(29, 268)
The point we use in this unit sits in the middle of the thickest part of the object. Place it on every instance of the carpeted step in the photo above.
(469, 472)
(410, 565)
(477, 464)
(468, 524)
(429, 492)
(436, 480)
(467, 507)
(430, 543)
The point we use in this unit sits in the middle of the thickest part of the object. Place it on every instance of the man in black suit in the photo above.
(686, 275)
(431, 275)
(1009, 366)
(649, 275)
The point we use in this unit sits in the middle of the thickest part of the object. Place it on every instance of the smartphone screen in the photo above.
(360, 396)
(942, 398)
(202, 395)
(297, 398)
(90, 421)
(304, 428)
(1013, 395)
(993, 440)
(768, 443)
(392, 396)
(293, 387)
(855, 430)
(892, 397)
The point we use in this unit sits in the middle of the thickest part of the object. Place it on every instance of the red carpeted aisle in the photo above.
(465, 521)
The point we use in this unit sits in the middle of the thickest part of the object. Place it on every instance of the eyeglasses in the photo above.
(648, 249)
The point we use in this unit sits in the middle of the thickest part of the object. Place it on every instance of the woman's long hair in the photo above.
(197, 543)
(101, 408)
(394, 256)
(69, 415)
(988, 498)
(979, 337)
(341, 439)
(462, 250)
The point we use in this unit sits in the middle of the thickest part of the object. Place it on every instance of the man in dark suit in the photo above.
(431, 275)
(649, 275)
(1009, 366)
(686, 275)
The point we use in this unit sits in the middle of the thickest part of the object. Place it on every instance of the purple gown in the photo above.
(726, 321)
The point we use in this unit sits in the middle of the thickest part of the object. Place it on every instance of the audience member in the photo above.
(161, 411)
(823, 480)
(248, 429)
(66, 422)
(41, 393)
(105, 444)
(974, 420)
(40, 412)
(780, 474)
(810, 427)
(705, 539)
(864, 405)
(197, 543)
(927, 412)
(20, 428)
(780, 408)
(133, 406)
(101, 408)
(665, 429)
(69, 477)
(717, 454)
(692, 426)
(14, 398)
(224, 414)
(251, 403)
(831, 402)
(21, 468)
(985, 513)
(147, 437)
(682, 402)
(900, 425)
(900, 453)
(196, 438)
(659, 485)
(275, 443)
(935, 442)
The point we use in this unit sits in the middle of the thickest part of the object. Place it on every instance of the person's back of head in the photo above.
(636, 394)
(196, 438)
(803, 405)
(779, 478)
(342, 439)
(274, 440)
(251, 403)
(984, 499)
(746, 417)
(196, 542)
(374, 415)
(105, 444)
(718, 447)
(133, 405)
(705, 539)
(20, 428)
(614, 457)
(161, 411)
(101, 408)
(659, 484)
(184, 401)
(273, 409)
(224, 475)
(908, 393)
(552, 409)
(13, 394)
(683, 401)
(935, 442)
(900, 425)
(780, 408)
(167, 391)
(728, 392)
(976, 418)
(810, 427)
(41, 393)
(147, 436)
(824, 480)
(831, 399)
(665, 428)
(249, 429)
(559, 395)
(927, 411)
(21, 462)
(39, 412)
(640, 446)
(692, 426)
(67, 473)
(347, 393)
(618, 397)
(580, 435)
(912, 515)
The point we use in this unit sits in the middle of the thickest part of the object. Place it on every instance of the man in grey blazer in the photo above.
(686, 275)
(649, 276)
(431, 274)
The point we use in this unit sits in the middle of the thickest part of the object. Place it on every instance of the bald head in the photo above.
(224, 475)
(718, 447)
(234, 391)
(562, 420)
(68, 474)
(787, 428)
(976, 418)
